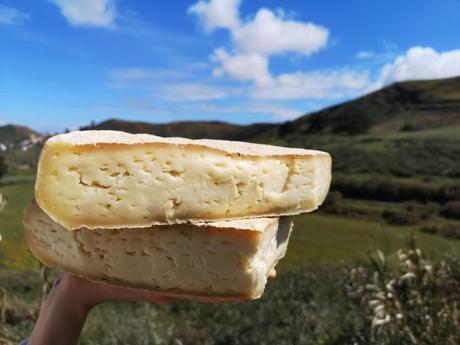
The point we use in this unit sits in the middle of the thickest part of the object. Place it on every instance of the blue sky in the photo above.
(64, 63)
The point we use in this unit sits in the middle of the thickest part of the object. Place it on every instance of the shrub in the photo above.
(332, 202)
(411, 213)
(410, 301)
(3, 166)
(451, 210)
(390, 189)
(447, 230)
(352, 120)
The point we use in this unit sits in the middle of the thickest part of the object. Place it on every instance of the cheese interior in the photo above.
(115, 186)
(184, 258)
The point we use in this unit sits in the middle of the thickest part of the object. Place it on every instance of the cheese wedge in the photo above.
(110, 179)
(225, 260)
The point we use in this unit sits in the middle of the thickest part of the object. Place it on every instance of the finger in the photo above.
(272, 274)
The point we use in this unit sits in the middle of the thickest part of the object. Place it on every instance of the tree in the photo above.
(3, 166)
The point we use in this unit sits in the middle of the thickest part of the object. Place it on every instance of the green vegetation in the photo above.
(13, 249)
(3, 167)
(333, 240)
(15, 133)
(402, 298)
(395, 174)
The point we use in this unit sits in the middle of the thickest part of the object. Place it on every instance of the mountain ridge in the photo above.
(401, 106)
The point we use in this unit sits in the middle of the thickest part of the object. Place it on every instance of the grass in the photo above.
(334, 240)
(13, 249)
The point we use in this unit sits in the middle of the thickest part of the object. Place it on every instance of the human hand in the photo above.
(64, 311)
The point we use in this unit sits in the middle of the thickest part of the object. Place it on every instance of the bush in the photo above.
(3, 166)
(333, 201)
(447, 230)
(352, 121)
(410, 301)
(451, 210)
(390, 189)
(411, 213)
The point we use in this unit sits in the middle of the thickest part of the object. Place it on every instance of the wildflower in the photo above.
(408, 275)
(379, 322)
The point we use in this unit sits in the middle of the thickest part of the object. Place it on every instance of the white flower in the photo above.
(379, 322)
(408, 275)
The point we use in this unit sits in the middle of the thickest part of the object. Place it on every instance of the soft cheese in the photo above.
(109, 179)
(230, 260)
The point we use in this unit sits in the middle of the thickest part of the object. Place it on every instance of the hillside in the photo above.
(16, 134)
(190, 129)
(405, 106)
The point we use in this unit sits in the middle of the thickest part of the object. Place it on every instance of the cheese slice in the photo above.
(109, 179)
(229, 260)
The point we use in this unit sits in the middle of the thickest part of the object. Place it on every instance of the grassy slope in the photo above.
(13, 250)
(418, 154)
(330, 239)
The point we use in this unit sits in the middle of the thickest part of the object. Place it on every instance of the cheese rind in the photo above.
(230, 260)
(108, 179)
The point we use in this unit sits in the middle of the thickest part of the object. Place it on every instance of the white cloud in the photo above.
(217, 14)
(365, 54)
(12, 16)
(97, 13)
(421, 63)
(314, 85)
(273, 111)
(245, 67)
(168, 84)
(133, 75)
(269, 33)
(191, 92)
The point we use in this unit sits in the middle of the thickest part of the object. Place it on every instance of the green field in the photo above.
(13, 250)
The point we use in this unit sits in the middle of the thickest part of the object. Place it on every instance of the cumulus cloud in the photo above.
(217, 14)
(266, 34)
(96, 13)
(246, 67)
(269, 33)
(12, 16)
(256, 39)
(317, 85)
(421, 63)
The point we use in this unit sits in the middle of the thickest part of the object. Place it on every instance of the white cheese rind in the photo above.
(195, 260)
(104, 179)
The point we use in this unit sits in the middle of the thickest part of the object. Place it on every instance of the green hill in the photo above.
(405, 106)
(190, 129)
(15, 133)
(401, 107)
